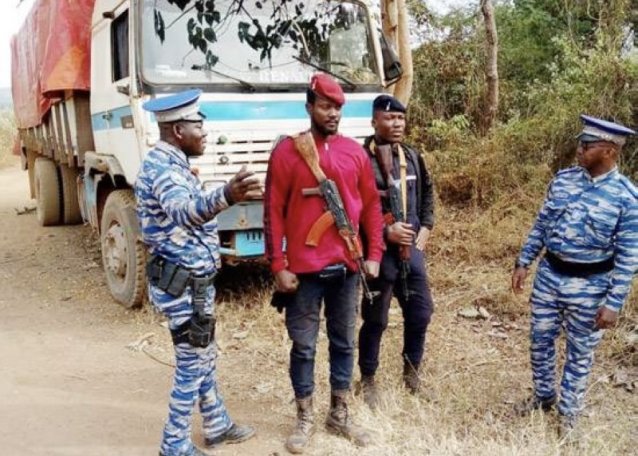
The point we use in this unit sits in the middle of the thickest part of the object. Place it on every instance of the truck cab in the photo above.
(253, 61)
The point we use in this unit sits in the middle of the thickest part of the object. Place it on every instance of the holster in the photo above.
(168, 276)
(199, 331)
(182, 334)
(202, 326)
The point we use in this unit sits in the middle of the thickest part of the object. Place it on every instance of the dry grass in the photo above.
(7, 137)
(471, 377)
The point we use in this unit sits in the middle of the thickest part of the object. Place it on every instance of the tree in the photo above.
(394, 17)
(491, 64)
(289, 20)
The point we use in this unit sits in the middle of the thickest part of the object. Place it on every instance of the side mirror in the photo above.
(392, 69)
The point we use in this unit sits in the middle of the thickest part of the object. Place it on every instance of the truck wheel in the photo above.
(123, 255)
(71, 214)
(48, 192)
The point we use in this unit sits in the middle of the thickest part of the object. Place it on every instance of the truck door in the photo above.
(113, 119)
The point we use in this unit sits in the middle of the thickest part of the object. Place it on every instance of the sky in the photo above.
(12, 16)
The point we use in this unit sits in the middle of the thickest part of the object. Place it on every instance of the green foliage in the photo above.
(556, 62)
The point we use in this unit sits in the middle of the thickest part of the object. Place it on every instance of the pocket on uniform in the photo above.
(599, 228)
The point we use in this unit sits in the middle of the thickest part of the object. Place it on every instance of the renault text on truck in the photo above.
(82, 69)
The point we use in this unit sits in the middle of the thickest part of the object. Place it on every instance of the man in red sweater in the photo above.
(325, 272)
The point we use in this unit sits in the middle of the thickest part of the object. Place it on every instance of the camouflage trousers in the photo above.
(571, 303)
(194, 381)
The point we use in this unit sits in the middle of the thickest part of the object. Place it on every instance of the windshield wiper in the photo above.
(245, 84)
(325, 70)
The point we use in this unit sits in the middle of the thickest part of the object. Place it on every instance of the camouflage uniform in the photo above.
(583, 220)
(176, 217)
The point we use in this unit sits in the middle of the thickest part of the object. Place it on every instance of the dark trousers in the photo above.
(417, 310)
(302, 323)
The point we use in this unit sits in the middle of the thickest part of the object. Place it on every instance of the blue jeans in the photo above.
(302, 323)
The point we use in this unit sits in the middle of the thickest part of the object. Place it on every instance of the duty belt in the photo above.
(572, 269)
(199, 331)
(173, 278)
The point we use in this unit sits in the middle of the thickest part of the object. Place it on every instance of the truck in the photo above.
(82, 70)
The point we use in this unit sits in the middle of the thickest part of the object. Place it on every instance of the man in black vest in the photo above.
(403, 271)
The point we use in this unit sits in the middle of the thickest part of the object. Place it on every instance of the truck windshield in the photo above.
(255, 43)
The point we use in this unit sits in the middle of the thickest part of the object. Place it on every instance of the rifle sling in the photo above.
(302, 141)
(403, 167)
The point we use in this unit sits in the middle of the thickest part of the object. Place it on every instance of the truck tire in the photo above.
(71, 214)
(48, 192)
(123, 255)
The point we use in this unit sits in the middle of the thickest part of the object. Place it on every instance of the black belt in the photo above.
(174, 279)
(572, 269)
(329, 273)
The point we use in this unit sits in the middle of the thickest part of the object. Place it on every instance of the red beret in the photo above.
(326, 87)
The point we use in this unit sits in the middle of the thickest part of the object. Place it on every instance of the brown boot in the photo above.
(370, 392)
(338, 421)
(411, 377)
(304, 428)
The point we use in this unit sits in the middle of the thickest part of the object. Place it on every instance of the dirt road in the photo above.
(80, 375)
(70, 385)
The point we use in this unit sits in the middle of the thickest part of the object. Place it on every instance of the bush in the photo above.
(534, 135)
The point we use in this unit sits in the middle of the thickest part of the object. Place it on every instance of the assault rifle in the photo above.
(393, 195)
(335, 210)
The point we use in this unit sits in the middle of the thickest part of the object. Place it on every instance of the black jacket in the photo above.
(425, 191)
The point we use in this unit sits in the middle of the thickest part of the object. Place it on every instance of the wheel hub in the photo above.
(115, 251)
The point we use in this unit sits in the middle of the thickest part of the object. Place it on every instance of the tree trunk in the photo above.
(491, 64)
(403, 88)
(394, 23)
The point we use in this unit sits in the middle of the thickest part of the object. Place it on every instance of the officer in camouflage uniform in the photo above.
(177, 218)
(588, 226)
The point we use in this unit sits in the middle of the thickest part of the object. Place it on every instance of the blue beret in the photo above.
(179, 106)
(387, 103)
(602, 130)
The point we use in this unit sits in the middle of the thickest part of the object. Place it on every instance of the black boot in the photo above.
(411, 378)
(527, 406)
(236, 434)
(370, 391)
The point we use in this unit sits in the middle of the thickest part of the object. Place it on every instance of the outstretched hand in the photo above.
(243, 186)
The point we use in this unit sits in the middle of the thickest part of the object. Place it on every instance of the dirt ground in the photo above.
(70, 385)
(80, 375)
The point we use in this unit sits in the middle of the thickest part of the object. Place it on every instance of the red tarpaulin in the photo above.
(50, 53)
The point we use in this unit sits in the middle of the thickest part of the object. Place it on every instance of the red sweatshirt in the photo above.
(290, 215)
